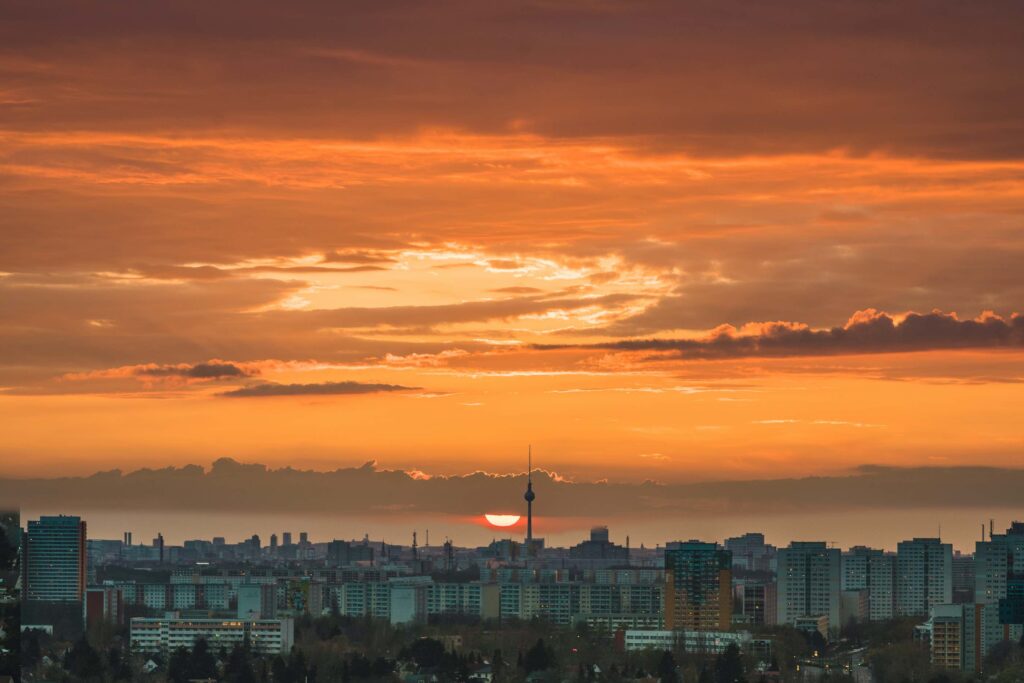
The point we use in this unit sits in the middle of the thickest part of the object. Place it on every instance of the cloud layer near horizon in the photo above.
(232, 486)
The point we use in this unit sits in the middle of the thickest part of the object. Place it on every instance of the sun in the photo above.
(502, 520)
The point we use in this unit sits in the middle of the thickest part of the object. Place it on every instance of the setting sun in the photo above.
(502, 520)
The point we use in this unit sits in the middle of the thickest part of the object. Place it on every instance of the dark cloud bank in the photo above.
(232, 486)
(322, 389)
(211, 370)
(866, 332)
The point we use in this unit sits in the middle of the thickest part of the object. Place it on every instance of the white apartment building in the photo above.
(924, 576)
(809, 582)
(266, 636)
(875, 571)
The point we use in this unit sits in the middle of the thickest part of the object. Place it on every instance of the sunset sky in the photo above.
(669, 241)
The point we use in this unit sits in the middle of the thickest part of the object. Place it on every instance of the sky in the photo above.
(679, 242)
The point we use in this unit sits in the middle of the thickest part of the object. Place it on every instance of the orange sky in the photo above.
(430, 234)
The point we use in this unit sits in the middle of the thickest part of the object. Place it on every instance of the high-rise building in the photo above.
(963, 578)
(698, 587)
(809, 583)
(273, 542)
(599, 548)
(104, 604)
(158, 543)
(999, 577)
(257, 601)
(286, 538)
(760, 602)
(341, 553)
(54, 560)
(750, 552)
(961, 636)
(875, 571)
(924, 576)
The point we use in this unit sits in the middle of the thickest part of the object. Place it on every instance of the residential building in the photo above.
(704, 642)
(264, 636)
(698, 587)
(809, 582)
(257, 601)
(751, 553)
(875, 571)
(924, 576)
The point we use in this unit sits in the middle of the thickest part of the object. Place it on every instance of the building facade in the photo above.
(164, 635)
(924, 576)
(54, 560)
(875, 571)
(809, 582)
(698, 587)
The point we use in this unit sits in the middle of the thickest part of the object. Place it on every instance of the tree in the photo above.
(427, 652)
(729, 666)
(538, 658)
(201, 662)
(178, 666)
(31, 652)
(118, 665)
(667, 668)
(907, 661)
(497, 663)
(279, 670)
(238, 668)
(82, 661)
(296, 666)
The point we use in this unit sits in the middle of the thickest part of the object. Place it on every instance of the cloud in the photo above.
(322, 389)
(866, 332)
(211, 370)
(840, 76)
(234, 486)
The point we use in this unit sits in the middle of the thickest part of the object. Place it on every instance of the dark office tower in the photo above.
(158, 543)
(286, 538)
(255, 542)
(273, 541)
(963, 578)
(698, 587)
(529, 497)
(342, 553)
(54, 560)
(303, 537)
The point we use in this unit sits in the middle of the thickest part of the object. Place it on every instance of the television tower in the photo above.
(529, 497)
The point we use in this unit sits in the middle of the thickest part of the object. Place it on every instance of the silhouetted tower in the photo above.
(529, 496)
(414, 545)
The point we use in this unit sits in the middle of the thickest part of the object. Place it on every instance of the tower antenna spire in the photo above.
(529, 497)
